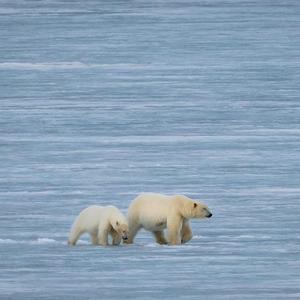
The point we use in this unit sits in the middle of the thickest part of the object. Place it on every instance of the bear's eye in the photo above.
(117, 223)
(195, 205)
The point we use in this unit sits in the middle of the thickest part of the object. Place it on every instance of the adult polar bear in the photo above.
(155, 212)
(99, 222)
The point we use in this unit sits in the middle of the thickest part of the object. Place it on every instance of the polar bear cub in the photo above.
(100, 222)
(156, 212)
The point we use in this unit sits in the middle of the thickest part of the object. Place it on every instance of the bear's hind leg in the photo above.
(186, 232)
(94, 239)
(160, 237)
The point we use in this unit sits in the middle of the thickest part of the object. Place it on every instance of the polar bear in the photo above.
(99, 222)
(155, 212)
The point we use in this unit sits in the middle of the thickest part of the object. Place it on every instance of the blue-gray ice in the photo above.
(102, 100)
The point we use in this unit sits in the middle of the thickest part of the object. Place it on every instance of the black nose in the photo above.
(125, 238)
(209, 215)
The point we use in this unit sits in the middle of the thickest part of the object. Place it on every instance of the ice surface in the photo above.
(102, 100)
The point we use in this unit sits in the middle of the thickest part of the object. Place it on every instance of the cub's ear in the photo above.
(117, 223)
(195, 205)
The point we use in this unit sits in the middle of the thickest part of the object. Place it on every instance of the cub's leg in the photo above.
(103, 230)
(160, 237)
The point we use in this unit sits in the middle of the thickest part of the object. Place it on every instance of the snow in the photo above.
(103, 100)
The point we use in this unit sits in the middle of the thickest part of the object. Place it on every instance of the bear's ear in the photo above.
(195, 205)
(117, 223)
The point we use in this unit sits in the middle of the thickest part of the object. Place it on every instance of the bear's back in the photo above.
(151, 203)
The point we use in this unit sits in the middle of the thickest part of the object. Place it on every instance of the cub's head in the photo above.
(193, 209)
(122, 229)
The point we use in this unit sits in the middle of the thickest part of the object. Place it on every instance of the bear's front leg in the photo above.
(186, 232)
(103, 231)
(134, 227)
(174, 225)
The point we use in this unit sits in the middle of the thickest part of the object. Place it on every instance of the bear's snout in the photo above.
(209, 215)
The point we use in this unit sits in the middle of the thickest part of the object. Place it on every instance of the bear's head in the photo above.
(193, 209)
(122, 229)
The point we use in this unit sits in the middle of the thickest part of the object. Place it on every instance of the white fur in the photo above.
(156, 212)
(99, 222)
